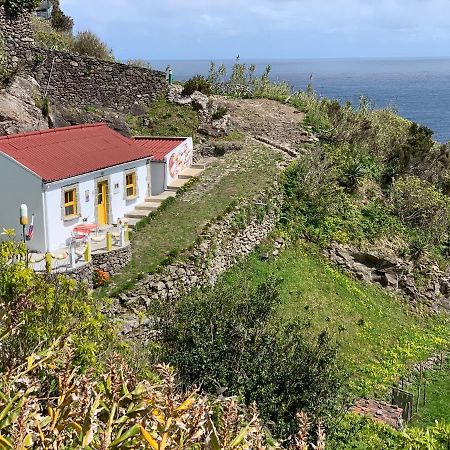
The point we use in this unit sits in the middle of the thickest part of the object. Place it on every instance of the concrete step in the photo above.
(198, 166)
(189, 173)
(137, 214)
(160, 197)
(177, 184)
(132, 222)
(148, 206)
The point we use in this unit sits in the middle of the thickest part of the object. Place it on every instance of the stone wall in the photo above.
(80, 81)
(112, 262)
(222, 245)
(16, 39)
(76, 80)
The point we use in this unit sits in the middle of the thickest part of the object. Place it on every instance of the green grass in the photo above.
(236, 175)
(380, 336)
(437, 405)
(166, 119)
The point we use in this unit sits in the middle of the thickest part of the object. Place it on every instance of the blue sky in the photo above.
(206, 29)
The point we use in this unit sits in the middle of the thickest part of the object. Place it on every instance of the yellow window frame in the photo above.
(70, 202)
(130, 185)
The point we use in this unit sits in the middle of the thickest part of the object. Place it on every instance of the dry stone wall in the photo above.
(220, 247)
(16, 39)
(76, 80)
(112, 262)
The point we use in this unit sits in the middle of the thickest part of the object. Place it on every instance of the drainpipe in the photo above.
(44, 202)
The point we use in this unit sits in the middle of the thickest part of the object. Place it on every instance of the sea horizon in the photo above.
(417, 87)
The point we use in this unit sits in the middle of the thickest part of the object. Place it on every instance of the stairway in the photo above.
(153, 202)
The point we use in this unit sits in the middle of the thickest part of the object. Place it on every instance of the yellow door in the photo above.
(102, 206)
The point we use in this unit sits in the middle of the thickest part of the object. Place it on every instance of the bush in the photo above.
(228, 339)
(89, 44)
(36, 311)
(419, 203)
(197, 83)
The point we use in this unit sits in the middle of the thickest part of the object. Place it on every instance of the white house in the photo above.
(85, 173)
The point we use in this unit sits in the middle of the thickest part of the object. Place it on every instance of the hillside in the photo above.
(305, 268)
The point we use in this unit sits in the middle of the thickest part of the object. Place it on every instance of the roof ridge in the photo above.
(9, 137)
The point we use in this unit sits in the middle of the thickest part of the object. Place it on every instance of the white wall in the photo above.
(60, 231)
(18, 185)
(178, 160)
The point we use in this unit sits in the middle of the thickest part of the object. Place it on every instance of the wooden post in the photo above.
(109, 241)
(418, 398)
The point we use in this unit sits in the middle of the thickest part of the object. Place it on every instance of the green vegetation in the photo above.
(236, 175)
(89, 44)
(36, 311)
(61, 38)
(437, 404)
(197, 83)
(242, 82)
(380, 337)
(227, 339)
(165, 119)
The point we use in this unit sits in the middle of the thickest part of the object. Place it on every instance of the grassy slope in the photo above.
(437, 404)
(166, 119)
(379, 334)
(239, 174)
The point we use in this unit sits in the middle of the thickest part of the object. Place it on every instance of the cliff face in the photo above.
(18, 111)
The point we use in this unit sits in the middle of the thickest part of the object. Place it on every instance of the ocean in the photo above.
(419, 89)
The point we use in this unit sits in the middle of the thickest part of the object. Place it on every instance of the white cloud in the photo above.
(255, 20)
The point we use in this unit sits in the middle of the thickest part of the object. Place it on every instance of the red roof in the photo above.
(62, 153)
(159, 148)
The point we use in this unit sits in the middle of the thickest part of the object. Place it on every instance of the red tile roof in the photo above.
(159, 148)
(62, 153)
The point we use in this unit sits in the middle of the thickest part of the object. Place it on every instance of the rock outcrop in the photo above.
(18, 110)
(396, 274)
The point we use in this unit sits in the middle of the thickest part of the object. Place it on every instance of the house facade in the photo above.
(82, 174)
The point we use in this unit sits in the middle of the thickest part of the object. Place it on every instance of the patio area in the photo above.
(88, 242)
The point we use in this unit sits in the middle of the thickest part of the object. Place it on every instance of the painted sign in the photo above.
(179, 160)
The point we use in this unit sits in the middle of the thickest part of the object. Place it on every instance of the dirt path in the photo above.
(269, 121)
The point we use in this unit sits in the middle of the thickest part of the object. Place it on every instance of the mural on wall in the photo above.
(180, 159)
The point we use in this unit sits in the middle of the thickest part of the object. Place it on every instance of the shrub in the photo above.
(142, 63)
(197, 83)
(87, 43)
(228, 339)
(220, 113)
(419, 203)
(36, 310)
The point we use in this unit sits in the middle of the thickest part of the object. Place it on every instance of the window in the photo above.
(130, 184)
(70, 203)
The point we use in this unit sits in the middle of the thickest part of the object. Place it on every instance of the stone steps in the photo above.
(177, 184)
(160, 197)
(148, 206)
(189, 173)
